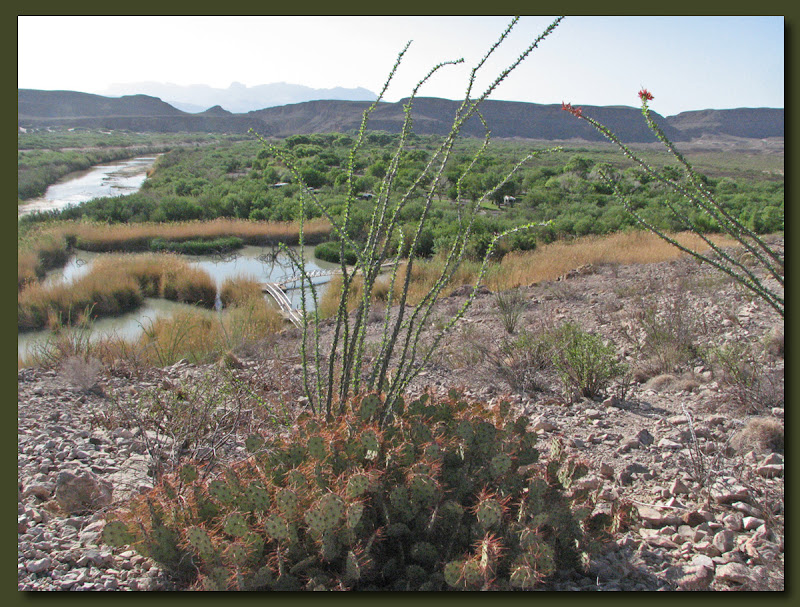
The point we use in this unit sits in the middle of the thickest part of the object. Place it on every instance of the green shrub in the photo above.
(583, 362)
(450, 496)
(330, 251)
(198, 246)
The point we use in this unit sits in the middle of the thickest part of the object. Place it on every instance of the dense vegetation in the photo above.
(43, 157)
(233, 179)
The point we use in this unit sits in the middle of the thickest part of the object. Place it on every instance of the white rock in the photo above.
(751, 522)
(39, 565)
(724, 540)
(666, 443)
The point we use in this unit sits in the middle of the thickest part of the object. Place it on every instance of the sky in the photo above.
(687, 63)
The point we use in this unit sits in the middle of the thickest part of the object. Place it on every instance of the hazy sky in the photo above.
(688, 63)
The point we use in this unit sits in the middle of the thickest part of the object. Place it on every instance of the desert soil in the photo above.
(701, 460)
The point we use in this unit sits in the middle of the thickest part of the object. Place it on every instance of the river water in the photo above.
(126, 177)
(251, 261)
(104, 180)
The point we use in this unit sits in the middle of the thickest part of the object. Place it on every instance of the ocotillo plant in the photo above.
(339, 372)
(701, 201)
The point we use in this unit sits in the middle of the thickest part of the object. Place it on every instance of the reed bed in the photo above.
(137, 237)
(38, 252)
(44, 248)
(115, 285)
(197, 335)
(240, 290)
(550, 261)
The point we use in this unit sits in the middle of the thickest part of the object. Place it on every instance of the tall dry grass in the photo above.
(240, 290)
(92, 295)
(48, 246)
(115, 285)
(197, 335)
(38, 252)
(548, 262)
(137, 237)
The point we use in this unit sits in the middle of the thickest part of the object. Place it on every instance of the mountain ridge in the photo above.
(237, 98)
(506, 119)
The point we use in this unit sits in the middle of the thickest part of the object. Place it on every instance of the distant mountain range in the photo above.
(431, 116)
(237, 98)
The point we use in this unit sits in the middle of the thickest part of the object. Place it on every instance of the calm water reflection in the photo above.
(255, 262)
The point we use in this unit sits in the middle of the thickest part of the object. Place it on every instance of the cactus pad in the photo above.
(489, 513)
(316, 447)
(500, 464)
(188, 474)
(256, 497)
(422, 490)
(288, 503)
(117, 534)
(236, 525)
(276, 527)
(473, 573)
(220, 490)
(369, 407)
(200, 541)
(357, 485)
(371, 444)
(453, 573)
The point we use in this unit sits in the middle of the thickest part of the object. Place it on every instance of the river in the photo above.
(126, 177)
(250, 261)
(104, 180)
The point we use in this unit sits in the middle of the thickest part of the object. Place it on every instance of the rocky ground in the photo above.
(699, 454)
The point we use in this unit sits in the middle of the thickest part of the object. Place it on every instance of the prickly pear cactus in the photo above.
(118, 534)
(449, 495)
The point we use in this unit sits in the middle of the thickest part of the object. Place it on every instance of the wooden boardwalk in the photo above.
(276, 290)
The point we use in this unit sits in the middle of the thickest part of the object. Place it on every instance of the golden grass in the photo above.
(94, 294)
(39, 251)
(197, 335)
(46, 247)
(239, 290)
(116, 284)
(548, 262)
(329, 302)
(103, 237)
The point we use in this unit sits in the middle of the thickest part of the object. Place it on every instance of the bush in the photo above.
(521, 361)
(584, 363)
(753, 388)
(330, 251)
(450, 496)
(198, 246)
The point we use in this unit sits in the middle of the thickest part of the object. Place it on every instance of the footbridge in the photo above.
(277, 290)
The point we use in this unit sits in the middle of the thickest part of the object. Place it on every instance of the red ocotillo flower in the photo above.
(575, 111)
(645, 95)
